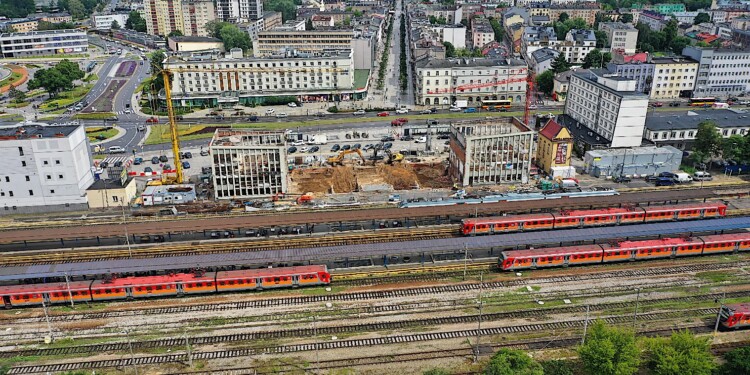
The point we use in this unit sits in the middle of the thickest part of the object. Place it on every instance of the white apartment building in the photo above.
(43, 43)
(620, 36)
(453, 34)
(674, 77)
(577, 44)
(666, 129)
(239, 10)
(45, 168)
(481, 32)
(606, 105)
(537, 37)
(685, 17)
(248, 164)
(442, 82)
(232, 80)
(722, 72)
(104, 21)
(315, 42)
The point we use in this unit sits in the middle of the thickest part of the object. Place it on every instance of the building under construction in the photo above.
(248, 164)
(489, 152)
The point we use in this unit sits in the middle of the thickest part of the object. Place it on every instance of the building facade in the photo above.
(194, 43)
(45, 168)
(667, 8)
(490, 152)
(230, 80)
(541, 59)
(607, 105)
(680, 131)
(577, 44)
(554, 147)
(315, 42)
(111, 193)
(674, 77)
(636, 161)
(195, 15)
(722, 72)
(481, 32)
(43, 43)
(537, 37)
(641, 72)
(248, 164)
(22, 26)
(442, 82)
(585, 10)
(620, 36)
(187, 16)
(104, 21)
(656, 21)
(239, 10)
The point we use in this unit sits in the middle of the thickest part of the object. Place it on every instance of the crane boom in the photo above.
(172, 127)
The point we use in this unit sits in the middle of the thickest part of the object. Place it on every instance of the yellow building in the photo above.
(673, 77)
(24, 26)
(111, 193)
(553, 146)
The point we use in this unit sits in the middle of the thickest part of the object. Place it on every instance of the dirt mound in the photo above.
(324, 180)
(343, 180)
(400, 176)
(433, 175)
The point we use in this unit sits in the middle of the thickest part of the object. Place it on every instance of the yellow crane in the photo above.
(172, 128)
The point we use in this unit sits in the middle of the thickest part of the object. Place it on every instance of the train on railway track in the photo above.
(735, 316)
(569, 219)
(171, 285)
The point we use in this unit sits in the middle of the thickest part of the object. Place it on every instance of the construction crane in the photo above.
(172, 128)
(338, 159)
(529, 96)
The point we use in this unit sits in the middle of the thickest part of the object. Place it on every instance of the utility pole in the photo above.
(585, 325)
(479, 321)
(317, 352)
(46, 316)
(635, 314)
(466, 258)
(127, 236)
(132, 356)
(718, 315)
(189, 351)
(70, 293)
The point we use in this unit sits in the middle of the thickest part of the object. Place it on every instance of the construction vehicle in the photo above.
(338, 159)
(301, 198)
(393, 157)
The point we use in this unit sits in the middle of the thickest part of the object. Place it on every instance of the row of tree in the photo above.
(58, 78)
(404, 74)
(665, 40)
(690, 5)
(616, 351)
(287, 8)
(709, 144)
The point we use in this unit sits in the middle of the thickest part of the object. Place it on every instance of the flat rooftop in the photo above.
(724, 118)
(241, 137)
(35, 131)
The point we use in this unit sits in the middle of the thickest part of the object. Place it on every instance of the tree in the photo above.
(512, 362)
(57, 78)
(70, 70)
(546, 81)
(497, 29)
(436, 371)
(701, 18)
(557, 367)
(16, 94)
(560, 64)
(683, 353)
(450, 51)
(707, 139)
(17, 8)
(601, 39)
(214, 28)
(309, 24)
(734, 148)
(606, 57)
(44, 25)
(175, 33)
(287, 8)
(347, 21)
(677, 44)
(593, 59)
(157, 65)
(670, 30)
(562, 28)
(135, 22)
(76, 9)
(609, 351)
(115, 25)
(702, 44)
(626, 18)
(737, 362)
(563, 17)
(233, 37)
(357, 13)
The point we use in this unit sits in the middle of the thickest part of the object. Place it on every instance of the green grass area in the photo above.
(67, 98)
(716, 276)
(101, 133)
(12, 78)
(17, 105)
(94, 116)
(11, 117)
(360, 78)
(33, 66)
(160, 133)
(91, 77)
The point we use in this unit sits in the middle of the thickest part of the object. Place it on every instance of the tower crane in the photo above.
(529, 95)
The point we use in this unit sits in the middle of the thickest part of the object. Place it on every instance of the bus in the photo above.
(702, 102)
(502, 104)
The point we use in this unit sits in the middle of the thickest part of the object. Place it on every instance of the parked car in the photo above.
(387, 145)
(454, 109)
(669, 175)
(152, 120)
(359, 112)
(292, 105)
(185, 165)
(663, 181)
(702, 176)
(281, 115)
(335, 147)
(425, 112)
(270, 111)
(320, 114)
(148, 170)
(163, 159)
(155, 160)
(421, 140)
(383, 114)
(405, 138)
(651, 178)
(367, 147)
(314, 149)
(356, 146)
(252, 119)
(657, 104)
(291, 150)
(204, 152)
(674, 104)
(298, 143)
(622, 179)
(166, 167)
(138, 161)
(387, 138)
(346, 147)
(304, 149)
(402, 111)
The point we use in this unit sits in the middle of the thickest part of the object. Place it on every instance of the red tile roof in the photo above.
(551, 130)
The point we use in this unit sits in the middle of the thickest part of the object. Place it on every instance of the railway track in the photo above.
(354, 328)
(340, 344)
(388, 294)
(188, 224)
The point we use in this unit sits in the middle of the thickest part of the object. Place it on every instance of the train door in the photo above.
(566, 260)
(295, 281)
(6, 301)
(180, 289)
(129, 292)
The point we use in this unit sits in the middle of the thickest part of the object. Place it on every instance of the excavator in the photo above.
(301, 198)
(338, 159)
(393, 158)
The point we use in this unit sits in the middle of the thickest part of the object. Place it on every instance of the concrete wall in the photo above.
(639, 161)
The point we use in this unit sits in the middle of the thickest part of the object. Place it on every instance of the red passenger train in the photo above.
(165, 285)
(735, 316)
(592, 218)
(623, 251)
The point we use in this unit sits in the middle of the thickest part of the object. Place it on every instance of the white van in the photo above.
(116, 150)
(702, 176)
(682, 177)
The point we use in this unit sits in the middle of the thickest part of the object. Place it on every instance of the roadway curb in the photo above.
(120, 133)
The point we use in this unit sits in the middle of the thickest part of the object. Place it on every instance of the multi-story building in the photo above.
(316, 42)
(239, 10)
(560, 86)
(187, 16)
(194, 43)
(53, 17)
(656, 21)
(722, 72)
(639, 71)
(674, 77)
(554, 146)
(585, 10)
(685, 17)
(666, 8)
(606, 106)
(741, 23)
(24, 25)
(453, 14)
(319, 21)
(104, 21)
(491, 152)
(248, 164)
(536, 37)
(232, 79)
(43, 43)
(272, 20)
(481, 32)
(577, 44)
(453, 34)
(442, 82)
(45, 168)
(620, 36)
(541, 59)
(680, 131)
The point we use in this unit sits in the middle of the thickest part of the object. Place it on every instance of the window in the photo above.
(23, 163)
(20, 151)
(57, 162)
(10, 193)
(114, 198)
(52, 192)
(46, 162)
(31, 192)
(60, 176)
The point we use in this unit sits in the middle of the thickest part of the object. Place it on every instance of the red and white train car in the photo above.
(33, 294)
(552, 257)
(735, 316)
(591, 218)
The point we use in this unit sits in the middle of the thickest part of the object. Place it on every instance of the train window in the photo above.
(209, 284)
(149, 288)
(276, 279)
(158, 287)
